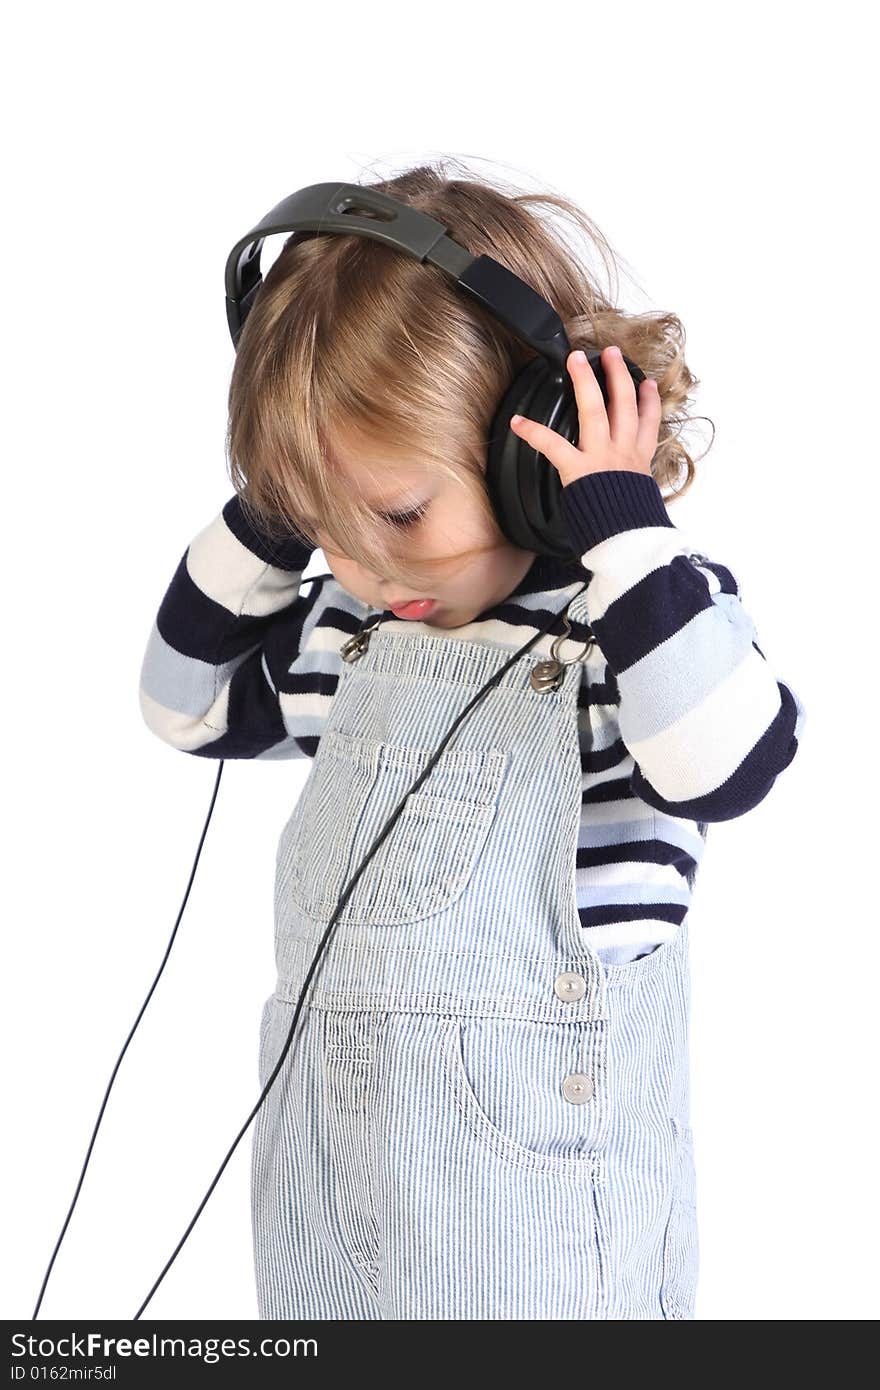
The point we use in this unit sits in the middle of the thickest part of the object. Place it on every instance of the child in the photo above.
(484, 1112)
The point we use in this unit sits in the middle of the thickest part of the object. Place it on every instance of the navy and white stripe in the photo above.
(681, 723)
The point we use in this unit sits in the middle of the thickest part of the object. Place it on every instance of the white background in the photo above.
(729, 157)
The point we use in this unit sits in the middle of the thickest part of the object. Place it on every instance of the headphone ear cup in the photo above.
(524, 487)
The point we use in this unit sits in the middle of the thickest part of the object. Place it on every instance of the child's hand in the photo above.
(629, 443)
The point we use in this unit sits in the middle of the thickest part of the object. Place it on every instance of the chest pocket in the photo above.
(429, 855)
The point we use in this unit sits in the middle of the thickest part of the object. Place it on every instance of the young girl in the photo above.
(484, 1111)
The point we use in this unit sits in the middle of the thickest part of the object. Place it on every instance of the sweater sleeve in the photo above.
(239, 663)
(708, 724)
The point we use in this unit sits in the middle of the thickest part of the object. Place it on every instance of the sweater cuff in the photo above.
(292, 554)
(603, 504)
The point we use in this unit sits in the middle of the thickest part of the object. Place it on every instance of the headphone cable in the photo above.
(339, 906)
(127, 1041)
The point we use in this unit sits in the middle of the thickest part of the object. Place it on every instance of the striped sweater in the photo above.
(681, 721)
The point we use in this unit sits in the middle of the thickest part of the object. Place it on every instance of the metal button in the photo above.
(577, 1088)
(570, 986)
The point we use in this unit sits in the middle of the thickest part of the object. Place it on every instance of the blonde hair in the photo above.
(348, 334)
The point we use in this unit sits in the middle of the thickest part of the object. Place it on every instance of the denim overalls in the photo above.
(477, 1118)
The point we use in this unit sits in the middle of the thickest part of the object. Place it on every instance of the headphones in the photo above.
(523, 485)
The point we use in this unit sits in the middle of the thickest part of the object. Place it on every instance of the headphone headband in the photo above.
(333, 208)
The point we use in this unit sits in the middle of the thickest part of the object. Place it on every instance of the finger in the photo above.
(593, 428)
(563, 455)
(623, 411)
(650, 415)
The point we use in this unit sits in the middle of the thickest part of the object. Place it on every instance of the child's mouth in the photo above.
(418, 608)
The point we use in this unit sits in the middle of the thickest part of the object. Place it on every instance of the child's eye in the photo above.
(405, 518)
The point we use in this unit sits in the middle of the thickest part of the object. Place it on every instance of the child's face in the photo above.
(434, 544)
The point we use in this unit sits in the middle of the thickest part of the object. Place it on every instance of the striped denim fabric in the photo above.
(478, 1117)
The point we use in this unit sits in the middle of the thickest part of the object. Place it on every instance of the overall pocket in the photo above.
(527, 1091)
(430, 853)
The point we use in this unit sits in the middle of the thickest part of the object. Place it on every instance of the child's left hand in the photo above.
(630, 441)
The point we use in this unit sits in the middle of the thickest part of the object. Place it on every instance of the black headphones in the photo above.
(523, 485)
